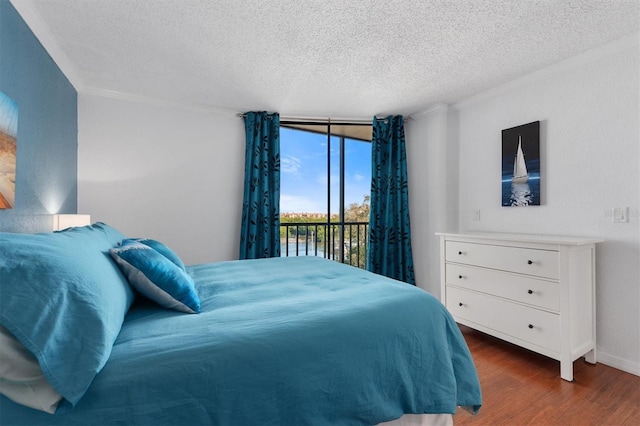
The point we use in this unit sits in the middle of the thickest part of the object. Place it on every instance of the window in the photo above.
(324, 190)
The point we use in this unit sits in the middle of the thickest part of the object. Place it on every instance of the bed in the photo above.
(282, 341)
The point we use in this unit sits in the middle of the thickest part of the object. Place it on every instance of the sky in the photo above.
(8, 115)
(303, 171)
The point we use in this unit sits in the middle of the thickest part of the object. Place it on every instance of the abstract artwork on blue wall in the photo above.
(521, 165)
(8, 148)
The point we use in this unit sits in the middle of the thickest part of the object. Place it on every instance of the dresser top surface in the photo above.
(529, 238)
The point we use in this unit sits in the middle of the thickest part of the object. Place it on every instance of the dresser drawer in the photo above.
(540, 263)
(529, 324)
(521, 288)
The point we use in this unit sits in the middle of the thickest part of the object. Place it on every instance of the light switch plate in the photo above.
(620, 215)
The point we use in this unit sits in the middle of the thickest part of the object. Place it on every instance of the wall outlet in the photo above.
(476, 215)
(620, 215)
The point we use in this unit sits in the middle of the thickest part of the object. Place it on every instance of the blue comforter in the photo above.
(293, 341)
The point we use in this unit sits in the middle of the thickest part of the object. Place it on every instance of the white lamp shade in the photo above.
(63, 221)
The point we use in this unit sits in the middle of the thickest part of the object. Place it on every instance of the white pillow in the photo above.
(21, 379)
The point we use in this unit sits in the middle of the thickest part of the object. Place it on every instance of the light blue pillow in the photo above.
(64, 299)
(157, 277)
(160, 248)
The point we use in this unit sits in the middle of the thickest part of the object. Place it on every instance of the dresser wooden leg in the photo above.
(566, 370)
(590, 356)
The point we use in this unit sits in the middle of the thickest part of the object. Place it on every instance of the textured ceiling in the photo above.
(317, 58)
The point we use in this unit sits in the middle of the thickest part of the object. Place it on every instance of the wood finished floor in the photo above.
(520, 387)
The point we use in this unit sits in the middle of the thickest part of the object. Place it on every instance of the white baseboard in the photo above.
(619, 363)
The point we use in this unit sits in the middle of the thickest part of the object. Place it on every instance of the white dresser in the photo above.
(535, 291)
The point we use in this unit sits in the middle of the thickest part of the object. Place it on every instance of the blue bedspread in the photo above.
(292, 341)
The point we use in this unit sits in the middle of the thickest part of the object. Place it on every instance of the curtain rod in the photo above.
(328, 119)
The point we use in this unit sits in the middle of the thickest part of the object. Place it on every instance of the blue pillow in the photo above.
(160, 248)
(157, 277)
(64, 300)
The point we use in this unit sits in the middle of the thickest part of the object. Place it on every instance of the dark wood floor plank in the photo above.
(521, 387)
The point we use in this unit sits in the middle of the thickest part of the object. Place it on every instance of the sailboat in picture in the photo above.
(520, 174)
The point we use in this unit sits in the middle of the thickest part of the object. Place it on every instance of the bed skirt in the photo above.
(421, 420)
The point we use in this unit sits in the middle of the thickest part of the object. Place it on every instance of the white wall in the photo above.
(433, 190)
(589, 112)
(163, 172)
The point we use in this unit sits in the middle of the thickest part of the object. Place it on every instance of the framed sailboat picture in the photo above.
(521, 165)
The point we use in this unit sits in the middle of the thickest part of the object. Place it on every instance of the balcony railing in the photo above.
(343, 242)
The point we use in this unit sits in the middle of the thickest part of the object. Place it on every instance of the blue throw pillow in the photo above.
(157, 277)
(63, 298)
(160, 248)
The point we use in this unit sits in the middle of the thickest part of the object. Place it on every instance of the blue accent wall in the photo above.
(47, 142)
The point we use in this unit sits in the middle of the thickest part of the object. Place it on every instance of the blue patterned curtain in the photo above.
(389, 231)
(260, 233)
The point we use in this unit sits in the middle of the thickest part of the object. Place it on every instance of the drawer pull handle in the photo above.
(530, 325)
(460, 277)
(530, 262)
(460, 304)
(460, 253)
(530, 291)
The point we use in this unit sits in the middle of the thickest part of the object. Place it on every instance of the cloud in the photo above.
(290, 165)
